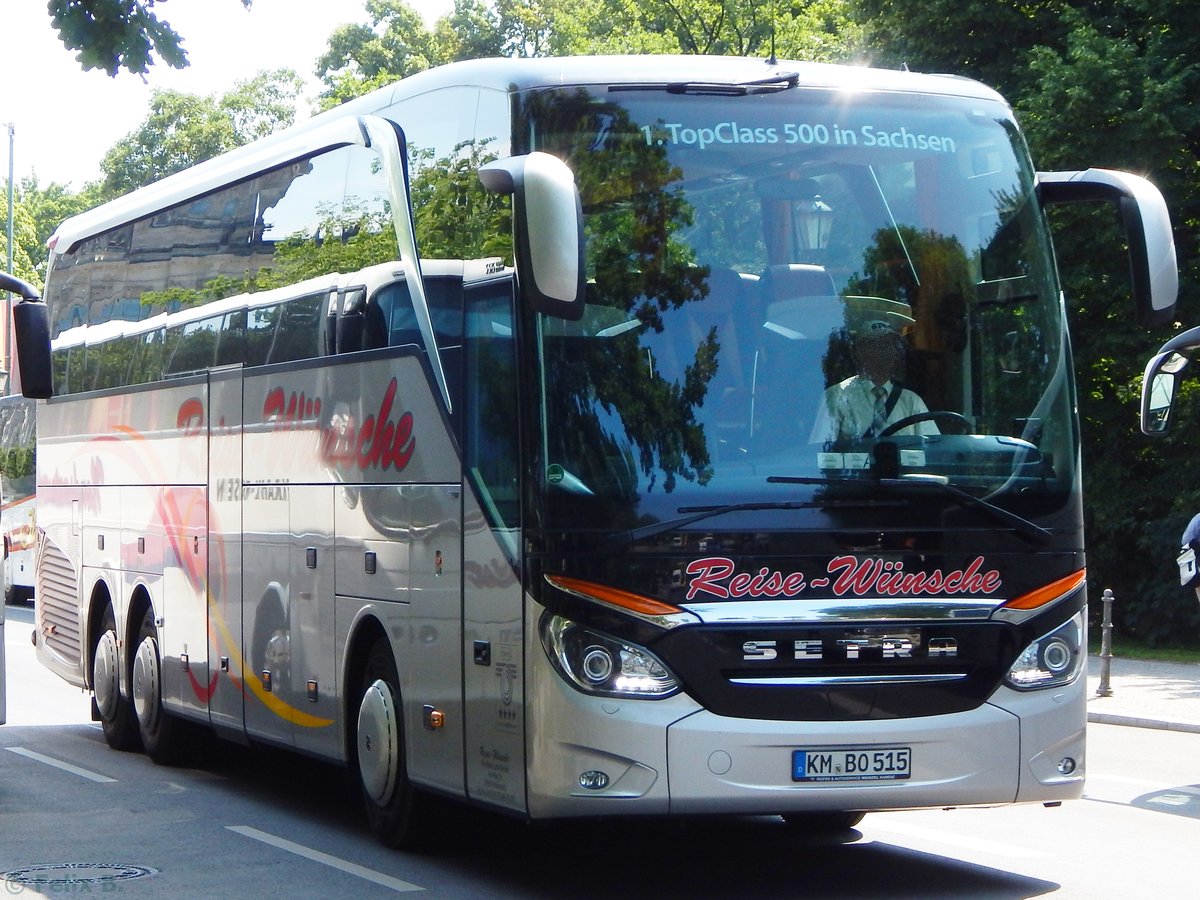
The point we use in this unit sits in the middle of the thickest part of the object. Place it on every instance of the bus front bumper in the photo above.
(671, 757)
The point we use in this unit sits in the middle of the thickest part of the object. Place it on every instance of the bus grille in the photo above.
(57, 605)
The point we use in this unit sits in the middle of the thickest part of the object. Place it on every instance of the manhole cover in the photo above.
(62, 874)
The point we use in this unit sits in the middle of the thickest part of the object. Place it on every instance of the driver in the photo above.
(865, 404)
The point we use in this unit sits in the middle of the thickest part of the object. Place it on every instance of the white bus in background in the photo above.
(523, 503)
(28, 316)
(18, 515)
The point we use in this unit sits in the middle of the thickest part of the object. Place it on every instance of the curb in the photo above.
(1136, 722)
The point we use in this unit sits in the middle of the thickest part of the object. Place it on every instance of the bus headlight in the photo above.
(597, 663)
(1052, 660)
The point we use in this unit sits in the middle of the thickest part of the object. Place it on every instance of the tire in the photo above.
(399, 815)
(162, 733)
(116, 712)
(823, 822)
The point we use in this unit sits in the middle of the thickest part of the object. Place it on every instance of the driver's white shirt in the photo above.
(848, 409)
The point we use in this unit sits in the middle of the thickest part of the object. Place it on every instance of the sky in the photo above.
(66, 119)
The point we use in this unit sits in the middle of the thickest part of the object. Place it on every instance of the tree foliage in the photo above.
(118, 34)
(396, 43)
(184, 129)
(37, 211)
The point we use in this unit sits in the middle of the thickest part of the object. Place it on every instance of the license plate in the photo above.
(852, 764)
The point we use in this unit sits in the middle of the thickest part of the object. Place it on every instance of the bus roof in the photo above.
(499, 74)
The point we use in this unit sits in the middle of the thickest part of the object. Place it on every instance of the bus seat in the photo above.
(731, 307)
(802, 314)
(784, 282)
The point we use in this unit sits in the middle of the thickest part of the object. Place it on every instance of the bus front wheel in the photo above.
(396, 811)
(116, 713)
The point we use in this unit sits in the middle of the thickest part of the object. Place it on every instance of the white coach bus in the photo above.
(495, 435)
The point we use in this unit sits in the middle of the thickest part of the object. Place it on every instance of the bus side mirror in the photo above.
(31, 325)
(1147, 224)
(1161, 380)
(548, 230)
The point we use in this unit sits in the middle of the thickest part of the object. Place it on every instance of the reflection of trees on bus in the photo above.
(642, 273)
(454, 216)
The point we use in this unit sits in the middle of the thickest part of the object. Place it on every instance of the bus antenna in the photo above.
(773, 61)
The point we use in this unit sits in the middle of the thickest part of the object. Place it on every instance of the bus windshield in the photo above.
(794, 294)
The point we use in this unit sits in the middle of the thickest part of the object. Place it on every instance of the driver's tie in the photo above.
(880, 409)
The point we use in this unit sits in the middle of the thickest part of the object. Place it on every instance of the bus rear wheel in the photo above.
(115, 712)
(397, 813)
(161, 732)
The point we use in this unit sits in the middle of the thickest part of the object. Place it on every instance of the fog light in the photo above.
(1066, 765)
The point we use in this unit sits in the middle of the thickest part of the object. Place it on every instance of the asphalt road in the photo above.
(77, 817)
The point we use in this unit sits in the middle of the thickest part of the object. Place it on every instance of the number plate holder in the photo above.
(852, 764)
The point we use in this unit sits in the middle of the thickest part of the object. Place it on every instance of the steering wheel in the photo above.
(927, 416)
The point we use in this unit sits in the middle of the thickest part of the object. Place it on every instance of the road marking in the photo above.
(325, 859)
(1141, 782)
(65, 766)
(996, 848)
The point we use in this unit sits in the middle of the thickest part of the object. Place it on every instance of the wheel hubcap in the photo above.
(378, 742)
(146, 683)
(104, 675)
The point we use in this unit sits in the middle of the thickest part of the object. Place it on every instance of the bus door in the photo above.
(310, 686)
(286, 563)
(492, 595)
(225, 549)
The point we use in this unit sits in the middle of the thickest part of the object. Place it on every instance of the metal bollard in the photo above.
(1105, 690)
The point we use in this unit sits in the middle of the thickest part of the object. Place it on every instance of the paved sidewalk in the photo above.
(1146, 694)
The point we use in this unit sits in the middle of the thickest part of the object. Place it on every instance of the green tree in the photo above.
(360, 58)
(24, 265)
(43, 209)
(820, 30)
(396, 43)
(183, 129)
(117, 34)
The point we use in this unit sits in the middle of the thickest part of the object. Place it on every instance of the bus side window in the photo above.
(445, 296)
(299, 330)
(75, 360)
(58, 362)
(260, 331)
(231, 343)
(195, 346)
(491, 403)
(390, 310)
(113, 362)
(147, 363)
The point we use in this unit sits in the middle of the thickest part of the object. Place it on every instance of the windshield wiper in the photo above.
(781, 81)
(1022, 526)
(699, 513)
